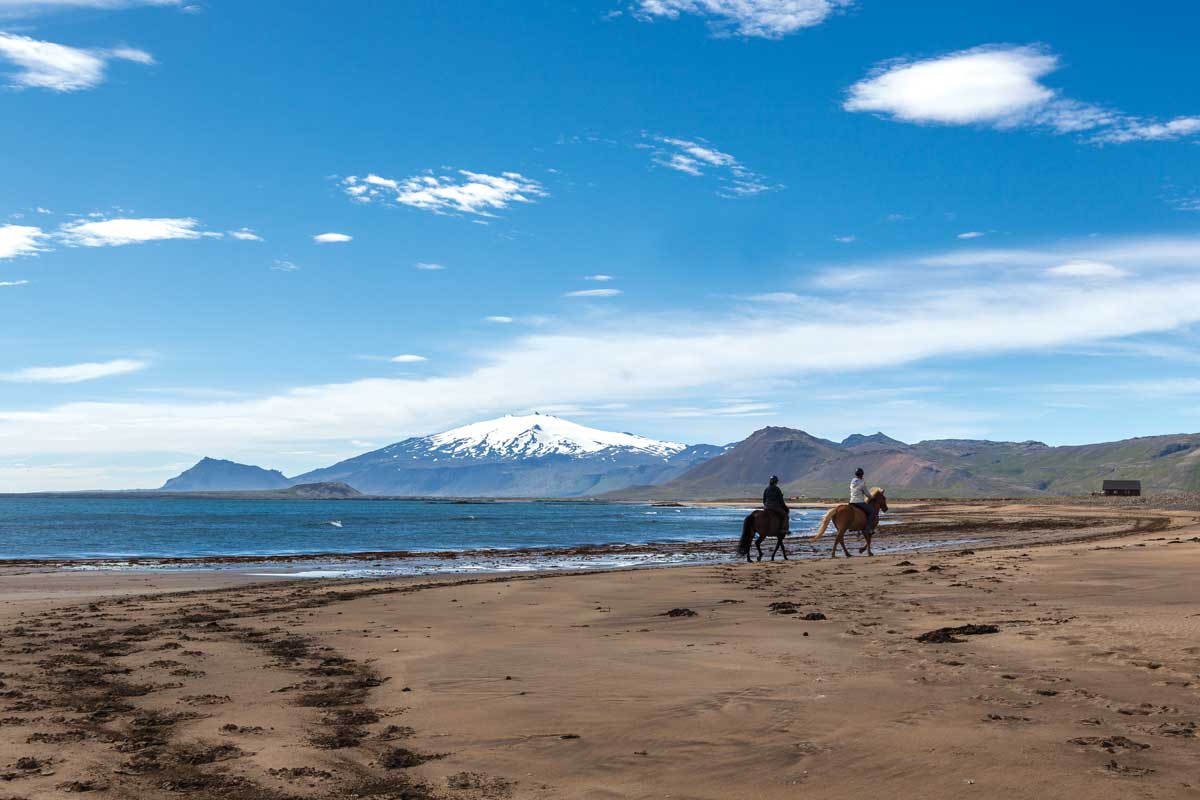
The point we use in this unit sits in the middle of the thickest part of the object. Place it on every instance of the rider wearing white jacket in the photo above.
(860, 494)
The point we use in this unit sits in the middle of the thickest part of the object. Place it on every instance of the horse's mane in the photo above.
(876, 490)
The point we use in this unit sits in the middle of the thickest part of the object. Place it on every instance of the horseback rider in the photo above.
(773, 502)
(860, 496)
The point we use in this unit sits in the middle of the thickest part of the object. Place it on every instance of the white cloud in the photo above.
(780, 297)
(131, 54)
(698, 157)
(984, 85)
(14, 283)
(999, 86)
(936, 310)
(75, 373)
(971, 235)
(11, 8)
(1133, 130)
(770, 19)
(123, 231)
(21, 240)
(407, 358)
(283, 265)
(737, 410)
(1088, 269)
(47, 65)
(498, 319)
(1164, 252)
(331, 238)
(428, 266)
(598, 277)
(594, 293)
(467, 193)
(845, 239)
(246, 235)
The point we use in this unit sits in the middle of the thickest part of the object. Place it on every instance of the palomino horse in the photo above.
(764, 523)
(849, 518)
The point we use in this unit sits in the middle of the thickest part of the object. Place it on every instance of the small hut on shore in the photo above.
(1122, 488)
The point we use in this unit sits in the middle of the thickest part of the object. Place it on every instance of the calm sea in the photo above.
(117, 528)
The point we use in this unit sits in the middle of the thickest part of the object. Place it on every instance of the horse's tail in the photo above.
(747, 535)
(825, 523)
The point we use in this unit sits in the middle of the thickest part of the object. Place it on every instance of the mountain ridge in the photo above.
(537, 455)
(218, 474)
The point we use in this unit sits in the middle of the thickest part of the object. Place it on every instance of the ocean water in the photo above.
(114, 528)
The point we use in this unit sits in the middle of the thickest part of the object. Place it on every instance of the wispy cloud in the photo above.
(971, 235)
(246, 235)
(21, 240)
(19, 8)
(75, 373)
(464, 192)
(1131, 129)
(598, 278)
(332, 238)
(697, 158)
(594, 293)
(999, 86)
(1160, 252)
(769, 19)
(59, 68)
(283, 265)
(14, 283)
(848, 239)
(407, 358)
(429, 266)
(789, 298)
(124, 231)
(1088, 269)
(938, 309)
(498, 319)
(735, 410)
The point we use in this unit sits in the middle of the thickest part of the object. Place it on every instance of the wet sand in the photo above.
(806, 678)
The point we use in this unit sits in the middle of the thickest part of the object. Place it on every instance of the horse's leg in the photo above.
(782, 549)
(778, 544)
(758, 543)
(836, 539)
(869, 544)
(842, 539)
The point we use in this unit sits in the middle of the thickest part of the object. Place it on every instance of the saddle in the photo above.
(780, 516)
(866, 510)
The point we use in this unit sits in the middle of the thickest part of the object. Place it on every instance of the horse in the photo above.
(850, 518)
(764, 523)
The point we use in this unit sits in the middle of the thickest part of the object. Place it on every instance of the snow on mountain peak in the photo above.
(533, 435)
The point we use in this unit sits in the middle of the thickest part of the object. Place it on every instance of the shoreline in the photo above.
(707, 681)
(917, 527)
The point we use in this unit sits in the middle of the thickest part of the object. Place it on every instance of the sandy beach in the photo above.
(812, 677)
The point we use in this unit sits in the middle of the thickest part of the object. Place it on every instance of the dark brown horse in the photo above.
(850, 518)
(764, 523)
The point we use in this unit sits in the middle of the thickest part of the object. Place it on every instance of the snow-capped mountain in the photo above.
(534, 455)
(535, 435)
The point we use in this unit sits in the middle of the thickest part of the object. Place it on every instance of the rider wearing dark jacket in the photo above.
(773, 501)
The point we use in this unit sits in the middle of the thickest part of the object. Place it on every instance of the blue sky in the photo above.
(682, 218)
